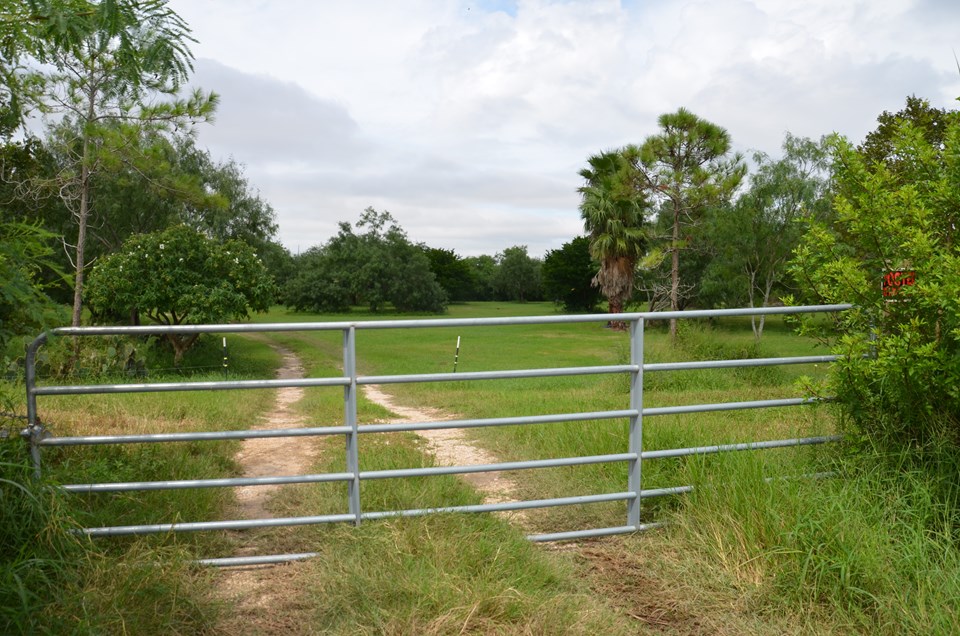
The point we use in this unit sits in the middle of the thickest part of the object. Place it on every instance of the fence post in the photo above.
(636, 421)
(34, 430)
(350, 419)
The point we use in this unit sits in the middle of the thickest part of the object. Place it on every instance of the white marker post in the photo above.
(456, 356)
(224, 357)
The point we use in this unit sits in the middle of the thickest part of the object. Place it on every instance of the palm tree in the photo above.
(613, 212)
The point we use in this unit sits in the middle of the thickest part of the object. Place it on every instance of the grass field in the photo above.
(864, 553)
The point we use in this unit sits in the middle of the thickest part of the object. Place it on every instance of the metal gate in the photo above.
(634, 412)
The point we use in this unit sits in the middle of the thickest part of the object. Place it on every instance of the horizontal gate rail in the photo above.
(724, 448)
(352, 429)
(730, 406)
(199, 436)
(207, 483)
(498, 421)
(161, 387)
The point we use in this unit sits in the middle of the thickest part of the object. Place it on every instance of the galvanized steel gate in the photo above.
(634, 412)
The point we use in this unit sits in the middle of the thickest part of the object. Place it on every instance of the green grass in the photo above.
(61, 583)
(410, 351)
(872, 552)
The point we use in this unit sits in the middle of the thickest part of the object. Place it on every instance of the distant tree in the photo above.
(687, 167)
(568, 275)
(754, 238)
(319, 283)
(518, 275)
(377, 267)
(179, 276)
(232, 209)
(452, 273)
(483, 273)
(613, 211)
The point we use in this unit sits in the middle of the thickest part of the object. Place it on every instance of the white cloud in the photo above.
(469, 120)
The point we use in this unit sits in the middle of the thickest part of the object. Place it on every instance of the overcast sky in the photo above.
(469, 120)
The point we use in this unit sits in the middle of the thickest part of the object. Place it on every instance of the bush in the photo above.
(899, 384)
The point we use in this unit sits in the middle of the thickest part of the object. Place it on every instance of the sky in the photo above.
(469, 120)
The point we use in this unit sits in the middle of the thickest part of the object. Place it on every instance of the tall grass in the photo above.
(53, 580)
(873, 550)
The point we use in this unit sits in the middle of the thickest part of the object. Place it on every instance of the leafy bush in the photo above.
(899, 384)
(179, 276)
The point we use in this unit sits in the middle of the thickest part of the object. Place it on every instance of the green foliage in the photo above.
(483, 273)
(116, 81)
(518, 275)
(377, 267)
(686, 167)
(568, 276)
(898, 383)
(179, 276)
(614, 210)
(36, 545)
(452, 273)
(879, 146)
(753, 239)
(25, 256)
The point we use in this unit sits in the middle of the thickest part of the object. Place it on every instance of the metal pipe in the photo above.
(635, 438)
(748, 362)
(206, 483)
(730, 406)
(350, 419)
(487, 468)
(496, 375)
(441, 322)
(506, 506)
(270, 559)
(244, 524)
(199, 436)
(587, 534)
(159, 387)
(720, 448)
(496, 421)
(34, 430)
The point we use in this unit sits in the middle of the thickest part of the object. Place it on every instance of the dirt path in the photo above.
(260, 597)
(451, 447)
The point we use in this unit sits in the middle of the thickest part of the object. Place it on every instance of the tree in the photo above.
(687, 167)
(518, 275)
(753, 239)
(897, 380)
(377, 267)
(452, 273)
(32, 30)
(115, 82)
(483, 273)
(25, 256)
(932, 123)
(568, 275)
(613, 212)
(179, 276)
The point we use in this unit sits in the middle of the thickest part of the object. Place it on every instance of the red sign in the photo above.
(893, 281)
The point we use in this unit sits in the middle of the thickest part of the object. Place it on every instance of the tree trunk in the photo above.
(84, 211)
(675, 273)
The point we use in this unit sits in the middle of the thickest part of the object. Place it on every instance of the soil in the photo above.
(259, 596)
(450, 447)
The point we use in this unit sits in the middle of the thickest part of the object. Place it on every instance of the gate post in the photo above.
(34, 430)
(636, 421)
(350, 419)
